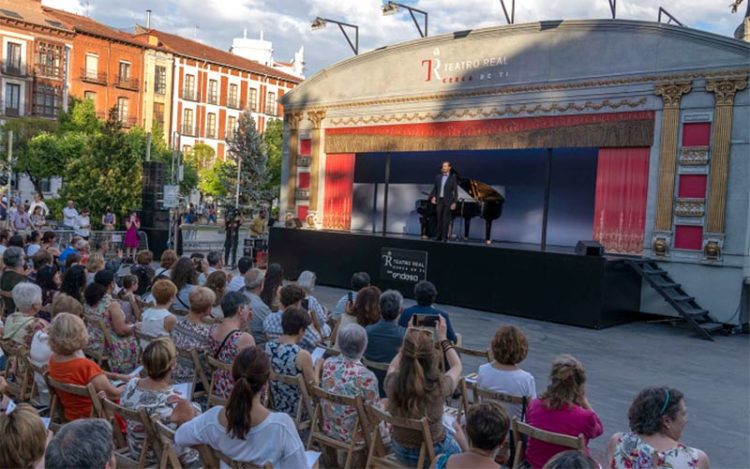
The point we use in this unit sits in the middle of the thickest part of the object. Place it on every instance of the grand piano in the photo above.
(485, 202)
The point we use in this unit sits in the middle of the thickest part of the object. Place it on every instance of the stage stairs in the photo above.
(673, 293)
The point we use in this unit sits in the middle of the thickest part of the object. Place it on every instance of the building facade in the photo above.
(157, 88)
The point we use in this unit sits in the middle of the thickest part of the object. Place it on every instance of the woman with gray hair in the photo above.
(82, 443)
(21, 326)
(306, 281)
(15, 272)
(346, 375)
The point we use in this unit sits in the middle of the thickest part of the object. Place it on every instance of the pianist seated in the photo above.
(425, 293)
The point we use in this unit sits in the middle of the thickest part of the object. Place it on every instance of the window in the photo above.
(252, 101)
(232, 100)
(122, 110)
(213, 92)
(49, 60)
(189, 91)
(92, 66)
(12, 99)
(231, 127)
(187, 122)
(211, 125)
(159, 112)
(160, 81)
(90, 95)
(13, 58)
(46, 100)
(123, 72)
(271, 104)
(46, 184)
(186, 150)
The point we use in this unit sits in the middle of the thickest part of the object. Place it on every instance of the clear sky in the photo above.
(287, 22)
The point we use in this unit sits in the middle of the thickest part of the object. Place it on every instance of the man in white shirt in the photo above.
(237, 283)
(70, 216)
(39, 202)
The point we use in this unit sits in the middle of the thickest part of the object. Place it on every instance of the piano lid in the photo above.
(478, 190)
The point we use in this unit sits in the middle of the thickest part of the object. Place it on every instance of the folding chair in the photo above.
(379, 456)
(479, 394)
(122, 449)
(522, 430)
(473, 352)
(199, 373)
(379, 366)
(304, 410)
(360, 436)
(18, 371)
(215, 365)
(57, 418)
(165, 445)
(211, 458)
(99, 355)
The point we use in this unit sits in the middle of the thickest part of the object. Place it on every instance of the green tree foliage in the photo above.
(216, 181)
(246, 148)
(190, 179)
(80, 117)
(202, 156)
(273, 138)
(31, 158)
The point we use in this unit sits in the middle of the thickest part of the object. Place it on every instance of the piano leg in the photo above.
(487, 231)
(467, 225)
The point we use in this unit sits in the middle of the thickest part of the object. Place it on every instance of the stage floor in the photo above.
(555, 285)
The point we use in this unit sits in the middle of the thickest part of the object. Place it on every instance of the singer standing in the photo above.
(444, 195)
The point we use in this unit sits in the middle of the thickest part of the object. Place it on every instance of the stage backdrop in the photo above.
(517, 174)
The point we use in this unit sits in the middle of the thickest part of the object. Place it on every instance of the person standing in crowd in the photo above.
(259, 225)
(131, 243)
(82, 443)
(232, 223)
(253, 286)
(12, 210)
(33, 243)
(39, 202)
(109, 220)
(657, 419)
(73, 247)
(237, 283)
(384, 338)
(83, 226)
(38, 220)
(359, 281)
(21, 221)
(49, 243)
(15, 272)
(70, 216)
(425, 293)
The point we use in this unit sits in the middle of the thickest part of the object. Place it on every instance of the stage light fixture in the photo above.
(320, 23)
(391, 8)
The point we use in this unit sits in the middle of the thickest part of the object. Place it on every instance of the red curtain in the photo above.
(620, 207)
(339, 188)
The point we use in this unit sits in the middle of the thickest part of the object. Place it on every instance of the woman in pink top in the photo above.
(563, 408)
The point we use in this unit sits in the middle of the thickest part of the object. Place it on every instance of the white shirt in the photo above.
(237, 283)
(152, 322)
(204, 276)
(70, 217)
(516, 383)
(83, 223)
(35, 204)
(31, 249)
(275, 440)
(39, 355)
(443, 180)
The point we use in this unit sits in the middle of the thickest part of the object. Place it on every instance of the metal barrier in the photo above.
(115, 239)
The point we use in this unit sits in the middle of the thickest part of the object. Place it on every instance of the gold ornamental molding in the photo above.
(694, 156)
(671, 94)
(724, 90)
(691, 208)
(486, 113)
(316, 117)
(293, 119)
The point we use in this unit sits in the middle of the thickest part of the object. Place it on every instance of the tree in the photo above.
(273, 138)
(80, 117)
(246, 148)
(31, 158)
(217, 180)
(202, 156)
(735, 4)
(190, 179)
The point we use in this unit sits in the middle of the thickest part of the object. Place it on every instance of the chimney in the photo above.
(148, 19)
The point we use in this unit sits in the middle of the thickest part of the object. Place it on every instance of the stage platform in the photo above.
(556, 285)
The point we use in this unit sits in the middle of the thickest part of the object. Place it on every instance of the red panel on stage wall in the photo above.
(688, 237)
(692, 186)
(302, 212)
(620, 207)
(304, 181)
(305, 147)
(696, 134)
(339, 187)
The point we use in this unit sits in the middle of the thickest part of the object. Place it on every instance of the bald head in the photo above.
(254, 280)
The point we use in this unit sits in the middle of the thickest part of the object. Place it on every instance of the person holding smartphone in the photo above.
(425, 293)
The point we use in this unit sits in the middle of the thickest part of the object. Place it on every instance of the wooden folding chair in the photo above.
(211, 459)
(122, 449)
(57, 417)
(379, 456)
(474, 352)
(99, 355)
(165, 445)
(480, 394)
(522, 431)
(373, 366)
(18, 371)
(360, 435)
(199, 373)
(304, 410)
(215, 365)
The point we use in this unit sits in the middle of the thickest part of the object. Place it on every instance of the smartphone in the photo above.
(306, 304)
(351, 297)
(426, 320)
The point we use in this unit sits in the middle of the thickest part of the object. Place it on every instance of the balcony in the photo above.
(14, 69)
(128, 122)
(90, 76)
(9, 110)
(189, 95)
(49, 71)
(50, 112)
(189, 130)
(127, 83)
(233, 103)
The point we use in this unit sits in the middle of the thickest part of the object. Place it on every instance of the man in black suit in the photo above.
(444, 195)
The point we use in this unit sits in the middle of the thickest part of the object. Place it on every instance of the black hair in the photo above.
(94, 293)
(360, 280)
(74, 281)
(294, 319)
(104, 277)
(425, 293)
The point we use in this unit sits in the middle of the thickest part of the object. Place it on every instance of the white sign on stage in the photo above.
(171, 196)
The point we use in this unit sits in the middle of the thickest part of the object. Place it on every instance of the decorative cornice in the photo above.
(695, 208)
(316, 117)
(694, 156)
(672, 92)
(303, 161)
(293, 119)
(725, 89)
(486, 113)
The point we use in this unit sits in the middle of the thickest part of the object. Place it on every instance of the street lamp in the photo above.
(320, 23)
(391, 8)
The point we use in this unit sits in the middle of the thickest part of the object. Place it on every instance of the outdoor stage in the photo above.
(519, 280)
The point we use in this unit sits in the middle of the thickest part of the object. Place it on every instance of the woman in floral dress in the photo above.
(191, 333)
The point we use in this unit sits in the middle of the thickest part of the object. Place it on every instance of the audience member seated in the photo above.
(273, 281)
(21, 326)
(143, 271)
(157, 321)
(73, 248)
(69, 299)
(68, 365)
(94, 265)
(155, 395)
(253, 287)
(185, 278)
(657, 419)
(39, 260)
(346, 375)
(416, 388)
(384, 338)
(291, 295)
(306, 281)
(123, 351)
(49, 280)
(217, 283)
(425, 294)
(83, 443)
(15, 272)
(289, 358)
(487, 426)
(73, 259)
(364, 311)
(244, 264)
(191, 333)
(24, 438)
(33, 243)
(562, 408)
(573, 459)
(244, 430)
(128, 299)
(215, 263)
(166, 262)
(229, 338)
(359, 281)
(502, 374)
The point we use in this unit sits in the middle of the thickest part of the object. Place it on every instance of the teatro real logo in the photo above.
(439, 70)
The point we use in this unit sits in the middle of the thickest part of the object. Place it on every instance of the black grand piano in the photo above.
(485, 202)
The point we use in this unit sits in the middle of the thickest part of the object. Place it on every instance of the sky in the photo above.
(287, 22)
